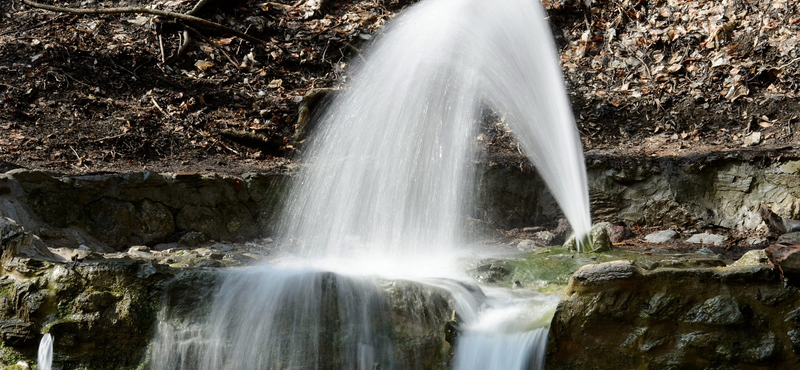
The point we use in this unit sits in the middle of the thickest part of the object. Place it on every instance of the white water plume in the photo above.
(390, 177)
(391, 170)
(44, 360)
(509, 334)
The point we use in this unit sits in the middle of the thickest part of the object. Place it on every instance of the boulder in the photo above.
(101, 313)
(660, 237)
(787, 260)
(617, 315)
(707, 239)
(596, 241)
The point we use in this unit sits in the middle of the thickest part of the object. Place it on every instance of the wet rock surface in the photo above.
(124, 238)
(100, 313)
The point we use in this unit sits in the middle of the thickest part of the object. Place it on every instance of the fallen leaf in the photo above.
(225, 41)
(203, 65)
(752, 139)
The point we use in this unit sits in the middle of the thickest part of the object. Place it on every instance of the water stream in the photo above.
(44, 360)
(374, 220)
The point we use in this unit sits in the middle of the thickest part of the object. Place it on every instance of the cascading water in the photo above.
(44, 360)
(392, 167)
(389, 178)
(510, 333)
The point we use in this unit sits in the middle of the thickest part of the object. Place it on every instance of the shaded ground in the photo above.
(96, 93)
(100, 93)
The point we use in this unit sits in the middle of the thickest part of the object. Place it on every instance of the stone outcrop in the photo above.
(618, 315)
(113, 212)
(100, 313)
(722, 189)
(103, 309)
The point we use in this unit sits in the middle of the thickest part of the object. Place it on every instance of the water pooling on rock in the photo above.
(389, 176)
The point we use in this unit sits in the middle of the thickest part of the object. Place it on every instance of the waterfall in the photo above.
(509, 334)
(387, 181)
(391, 170)
(299, 318)
(44, 359)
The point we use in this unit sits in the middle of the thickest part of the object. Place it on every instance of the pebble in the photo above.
(706, 251)
(705, 238)
(662, 236)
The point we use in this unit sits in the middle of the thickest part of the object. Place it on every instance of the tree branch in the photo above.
(132, 10)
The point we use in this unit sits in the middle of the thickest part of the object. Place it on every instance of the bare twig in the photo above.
(186, 37)
(235, 63)
(153, 100)
(162, 13)
(114, 137)
(161, 47)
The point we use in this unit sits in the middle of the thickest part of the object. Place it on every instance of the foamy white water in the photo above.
(44, 360)
(390, 177)
(510, 333)
(391, 170)
(296, 318)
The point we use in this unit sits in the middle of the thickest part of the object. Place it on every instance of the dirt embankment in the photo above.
(89, 93)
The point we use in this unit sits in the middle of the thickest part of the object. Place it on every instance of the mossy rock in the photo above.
(596, 241)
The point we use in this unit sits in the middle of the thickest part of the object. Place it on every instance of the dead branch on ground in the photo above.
(134, 10)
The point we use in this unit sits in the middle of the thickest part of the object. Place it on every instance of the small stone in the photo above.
(752, 139)
(139, 248)
(752, 258)
(706, 251)
(600, 240)
(756, 241)
(705, 238)
(527, 245)
(662, 236)
(133, 253)
(597, 239)
(544, 237)
(209, 253)
(618, 233)
(562, 231)
(192, 239)
(614, 270)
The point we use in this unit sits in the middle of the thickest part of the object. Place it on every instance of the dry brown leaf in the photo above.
(203, 64)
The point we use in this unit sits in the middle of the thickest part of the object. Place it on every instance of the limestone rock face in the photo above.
(617, 315)
(116, 211)
(410, 314)
(721, 189)
(101, 313)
